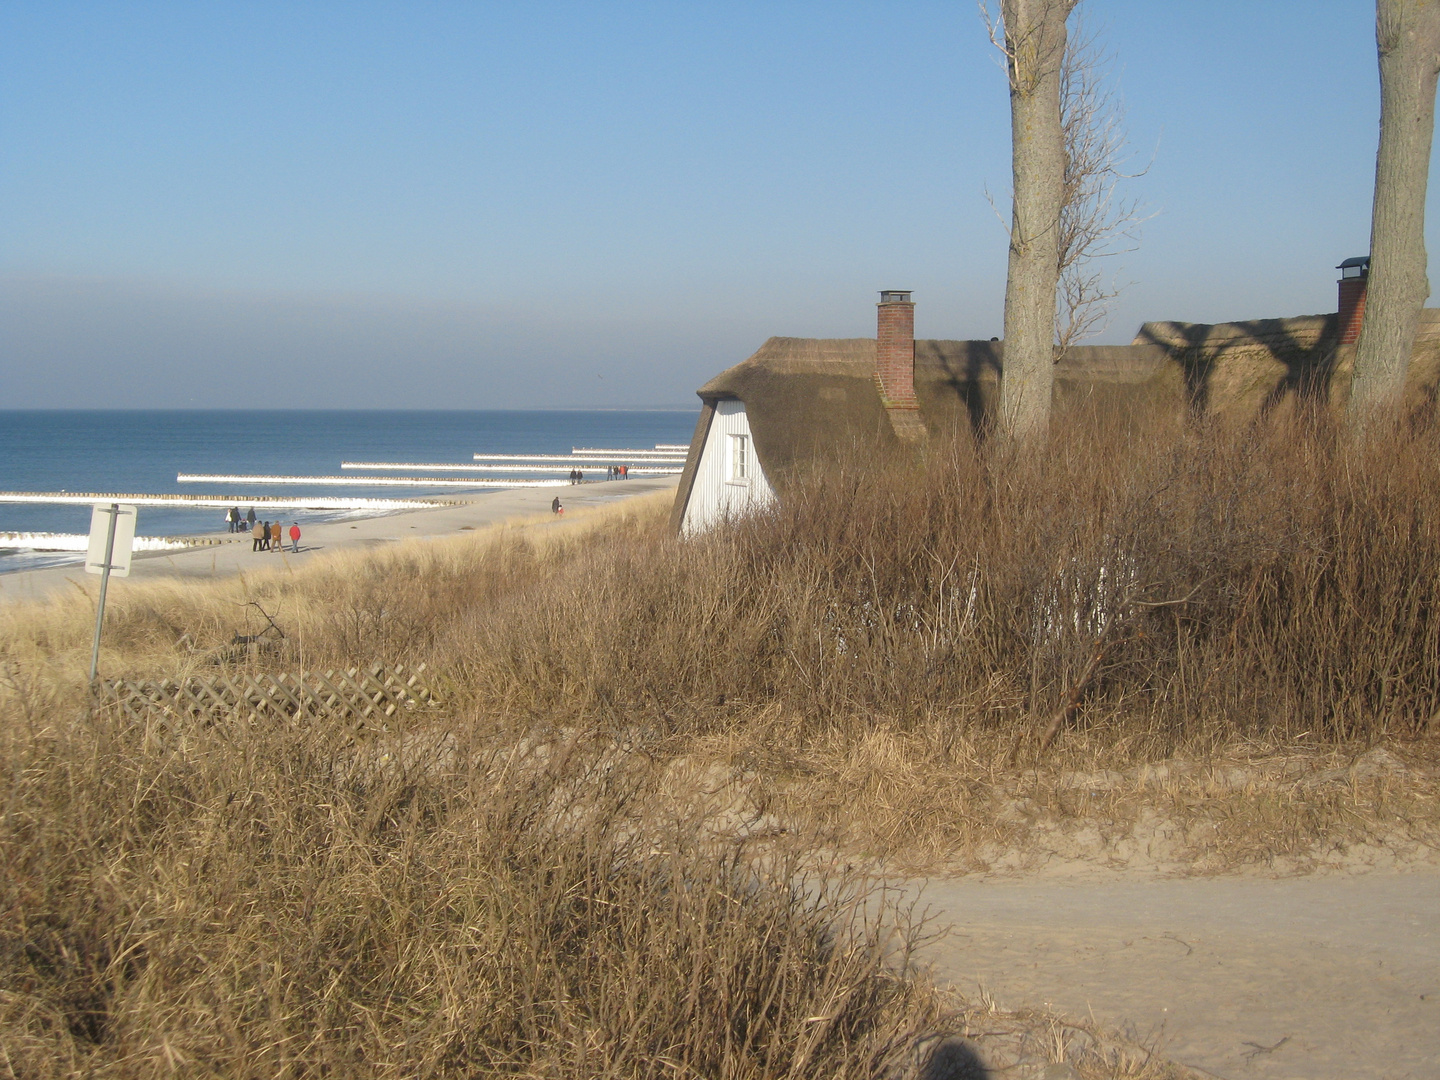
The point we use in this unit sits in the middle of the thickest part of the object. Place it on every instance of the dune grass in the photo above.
(917, 658)
(252, 907)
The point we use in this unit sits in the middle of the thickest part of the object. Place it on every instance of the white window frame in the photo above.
(738, 469)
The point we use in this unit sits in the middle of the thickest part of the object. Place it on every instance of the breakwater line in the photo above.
(604, 452)
(338, 502)
(47, 543)
(368, 481)
(572, 459)
(635, 470)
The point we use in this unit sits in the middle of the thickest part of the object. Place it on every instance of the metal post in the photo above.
(114, 513)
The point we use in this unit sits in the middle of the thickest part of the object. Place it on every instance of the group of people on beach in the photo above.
(268, 537)
(265, 535)
(612, 472)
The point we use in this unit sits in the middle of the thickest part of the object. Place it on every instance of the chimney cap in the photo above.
(895, 296)
(1359, 266)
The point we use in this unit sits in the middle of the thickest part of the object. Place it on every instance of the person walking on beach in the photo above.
(258, 535)
(295, 537)
(277, 537)
(555, 506)
(250, 519)
(235, 519)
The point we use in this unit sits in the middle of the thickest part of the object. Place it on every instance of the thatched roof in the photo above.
(810, 397)
(804, 395)
(1298, 333)
(1302, 331)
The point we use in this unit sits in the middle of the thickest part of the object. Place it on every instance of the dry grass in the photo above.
(947, 643)
(972, 658)
(253, 904)
(1281, 586)
(396, 601)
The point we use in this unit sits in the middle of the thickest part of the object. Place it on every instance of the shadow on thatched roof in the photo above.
(808, 399)
(807, 396)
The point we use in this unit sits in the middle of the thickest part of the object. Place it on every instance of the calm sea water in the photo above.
(142, 451)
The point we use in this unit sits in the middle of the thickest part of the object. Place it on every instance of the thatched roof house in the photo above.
(799, 399)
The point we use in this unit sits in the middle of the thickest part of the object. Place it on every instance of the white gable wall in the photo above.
(728, 480)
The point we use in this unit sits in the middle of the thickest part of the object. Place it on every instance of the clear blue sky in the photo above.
(491, 205)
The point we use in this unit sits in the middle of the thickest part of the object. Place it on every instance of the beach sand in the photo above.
(1327, 977)
(234, 555)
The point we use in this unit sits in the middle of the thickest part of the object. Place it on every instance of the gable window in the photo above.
(739, 459)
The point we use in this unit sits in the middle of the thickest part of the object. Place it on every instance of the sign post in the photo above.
(112, 538)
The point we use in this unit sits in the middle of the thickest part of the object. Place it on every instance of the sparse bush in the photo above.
(1169, 587)
(289, 903)
(1157, 586)
(889, 652)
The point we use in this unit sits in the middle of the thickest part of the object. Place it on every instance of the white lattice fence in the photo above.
(359, 694)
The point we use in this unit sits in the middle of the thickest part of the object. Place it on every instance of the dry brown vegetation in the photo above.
(1179, 647)
(250, 904)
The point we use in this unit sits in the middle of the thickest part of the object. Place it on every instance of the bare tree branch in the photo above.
(1096, 220)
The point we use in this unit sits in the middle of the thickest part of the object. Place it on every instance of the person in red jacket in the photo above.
(295, 537)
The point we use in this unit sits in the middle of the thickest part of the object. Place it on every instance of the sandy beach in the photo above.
(233, 554)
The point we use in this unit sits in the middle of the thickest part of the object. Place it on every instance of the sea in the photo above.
(143, 452)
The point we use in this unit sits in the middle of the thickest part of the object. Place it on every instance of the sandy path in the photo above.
(1338, 975)
(234, 556)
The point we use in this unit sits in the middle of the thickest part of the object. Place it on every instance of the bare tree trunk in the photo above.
(1034, 49)
(1407, 33)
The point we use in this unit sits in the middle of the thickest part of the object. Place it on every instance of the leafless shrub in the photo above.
(251, 910)
(896, 645)
(1238, 586)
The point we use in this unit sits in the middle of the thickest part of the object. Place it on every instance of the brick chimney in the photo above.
(1354, 278)
(895, 350)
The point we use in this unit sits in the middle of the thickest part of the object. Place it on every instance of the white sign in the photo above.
(124, 516)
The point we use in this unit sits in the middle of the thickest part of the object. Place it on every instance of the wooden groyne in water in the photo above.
(570, 466)
(313, 502)
(366, 481)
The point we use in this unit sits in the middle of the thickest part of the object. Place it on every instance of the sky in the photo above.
(602, 204)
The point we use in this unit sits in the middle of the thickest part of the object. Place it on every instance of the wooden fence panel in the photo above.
(358, 694)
